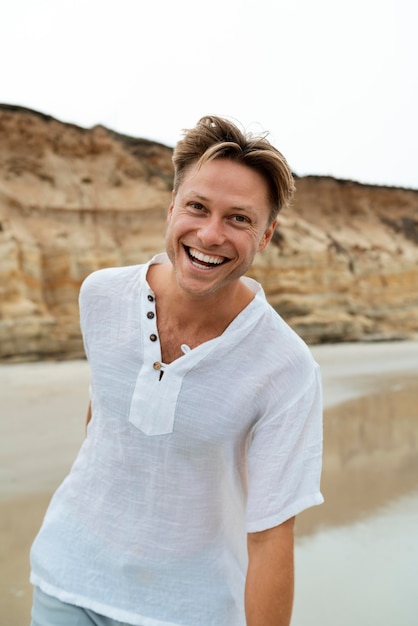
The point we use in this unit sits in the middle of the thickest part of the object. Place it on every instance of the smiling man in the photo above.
(204, 431)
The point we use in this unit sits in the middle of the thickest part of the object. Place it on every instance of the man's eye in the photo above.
(242, 219)
(196, 205)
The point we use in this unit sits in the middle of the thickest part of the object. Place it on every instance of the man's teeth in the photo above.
(205, 258)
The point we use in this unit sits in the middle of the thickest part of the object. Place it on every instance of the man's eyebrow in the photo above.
(199, 196)
(196, 194)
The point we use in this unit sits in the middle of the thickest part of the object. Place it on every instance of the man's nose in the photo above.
(212, 231)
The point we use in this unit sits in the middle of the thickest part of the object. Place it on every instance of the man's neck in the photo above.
(197, 311)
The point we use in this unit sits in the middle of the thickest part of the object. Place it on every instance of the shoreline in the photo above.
(44, 406)
(351, 370)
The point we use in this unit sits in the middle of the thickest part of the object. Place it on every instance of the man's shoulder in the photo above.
(112, 274)
(124, 275)
(279, 342)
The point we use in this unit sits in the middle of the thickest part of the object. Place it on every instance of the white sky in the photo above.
(335, 83)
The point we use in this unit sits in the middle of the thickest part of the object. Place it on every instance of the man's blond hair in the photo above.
(215, 137)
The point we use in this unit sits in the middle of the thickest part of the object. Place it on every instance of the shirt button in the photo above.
(150, 315)
(157, 365)
(153, 337)
(150, 299)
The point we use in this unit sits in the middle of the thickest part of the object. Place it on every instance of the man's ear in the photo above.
(267, 236)
(171, 207)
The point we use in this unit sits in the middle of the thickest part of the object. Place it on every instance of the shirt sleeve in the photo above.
(285, 457)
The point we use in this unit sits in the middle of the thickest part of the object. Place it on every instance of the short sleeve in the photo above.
(285, 457)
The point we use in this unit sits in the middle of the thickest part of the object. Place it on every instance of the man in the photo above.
(205, 433)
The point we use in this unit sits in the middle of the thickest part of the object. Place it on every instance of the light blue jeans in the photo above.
(49, 611)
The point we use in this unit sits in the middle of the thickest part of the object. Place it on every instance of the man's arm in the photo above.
(270, 577)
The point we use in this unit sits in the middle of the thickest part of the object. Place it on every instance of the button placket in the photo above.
(157, 365)
(151, 315)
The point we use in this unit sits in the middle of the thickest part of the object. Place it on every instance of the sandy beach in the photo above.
(43, 409)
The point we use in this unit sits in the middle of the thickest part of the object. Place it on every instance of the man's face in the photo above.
(217, 222)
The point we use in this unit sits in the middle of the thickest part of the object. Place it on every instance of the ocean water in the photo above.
(356, 556)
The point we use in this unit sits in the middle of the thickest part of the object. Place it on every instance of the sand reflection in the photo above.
(370, 455)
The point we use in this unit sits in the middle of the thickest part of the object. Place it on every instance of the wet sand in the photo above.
(43, 408)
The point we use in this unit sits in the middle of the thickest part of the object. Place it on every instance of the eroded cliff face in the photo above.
(343, 265)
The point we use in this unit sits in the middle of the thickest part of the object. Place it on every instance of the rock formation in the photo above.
(343, 265)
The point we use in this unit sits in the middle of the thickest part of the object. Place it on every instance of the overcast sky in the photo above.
(335, 83)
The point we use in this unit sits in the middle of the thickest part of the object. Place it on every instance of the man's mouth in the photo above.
(204, 260)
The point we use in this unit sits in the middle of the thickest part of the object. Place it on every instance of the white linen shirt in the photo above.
(149, 528)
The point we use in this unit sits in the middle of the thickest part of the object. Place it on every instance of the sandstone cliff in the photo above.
(343, 265)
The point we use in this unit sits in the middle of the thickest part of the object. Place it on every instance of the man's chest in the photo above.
(177, 339)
